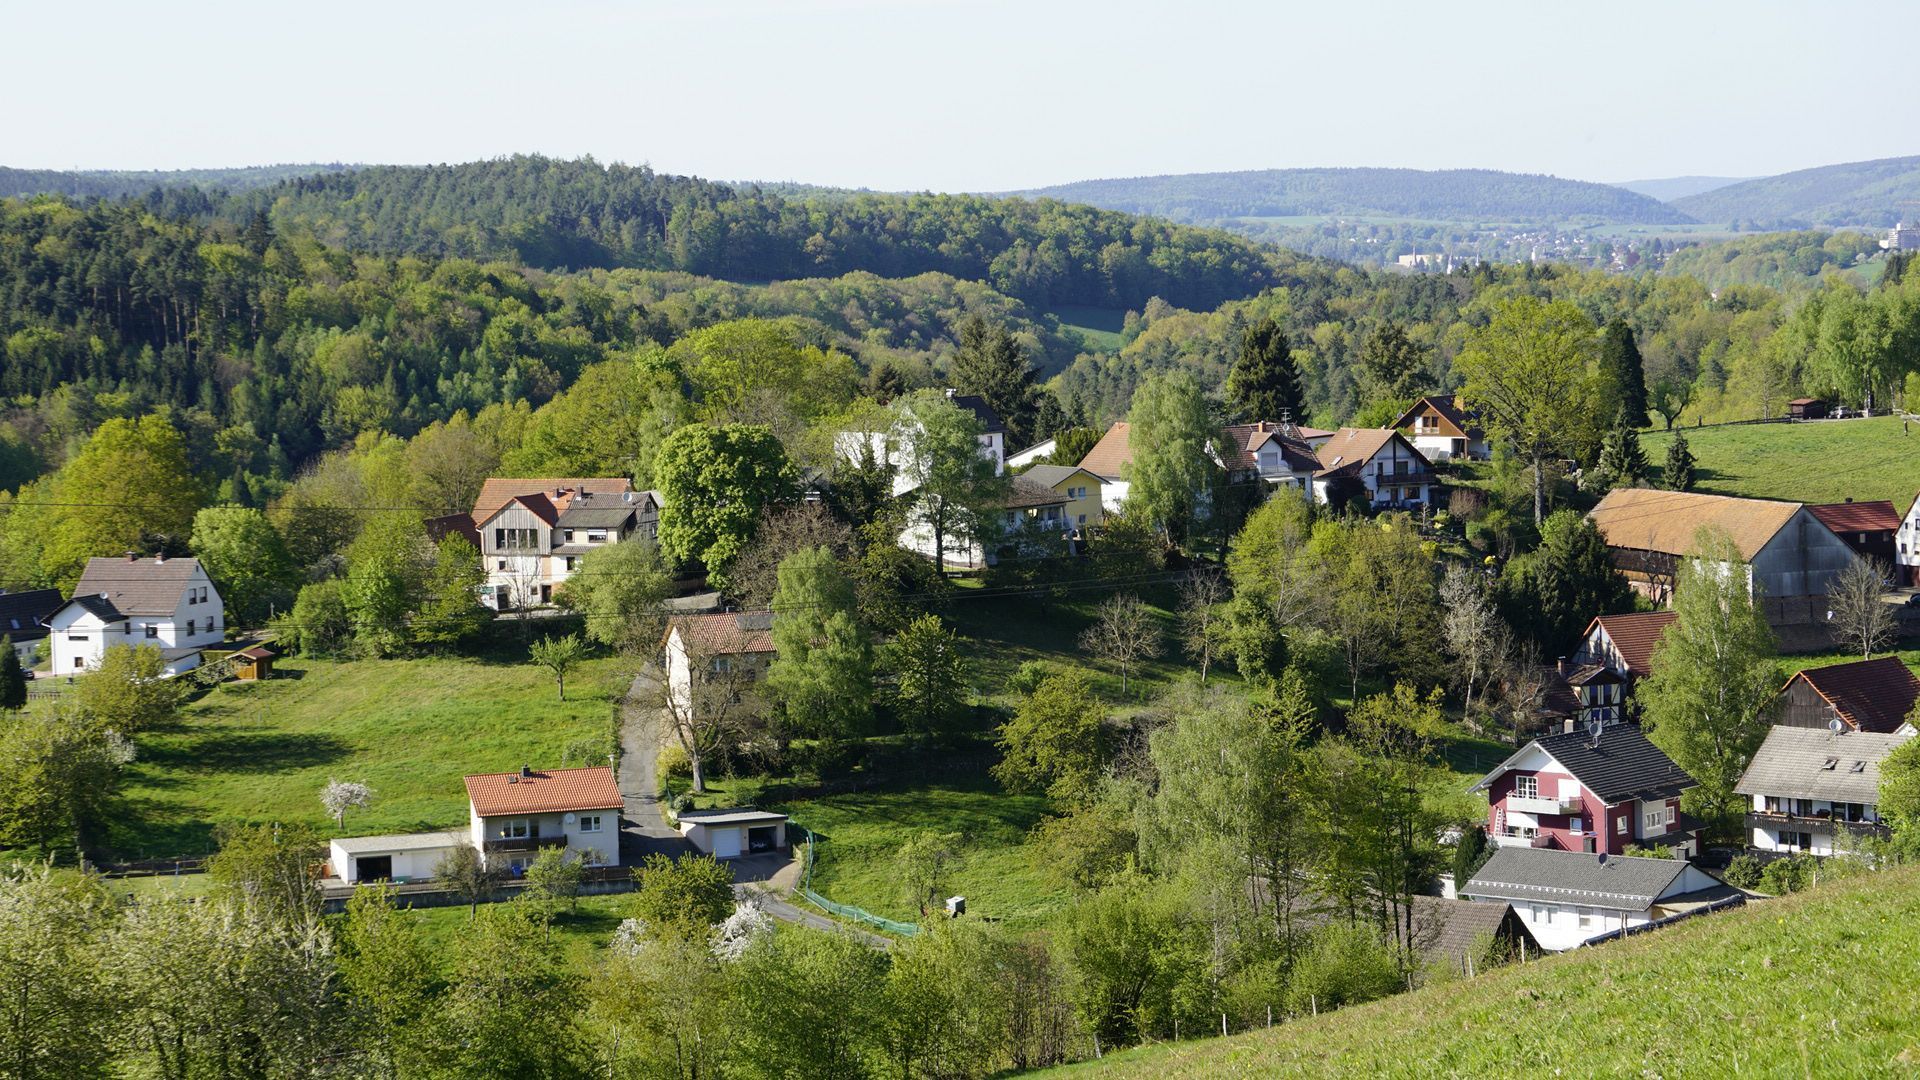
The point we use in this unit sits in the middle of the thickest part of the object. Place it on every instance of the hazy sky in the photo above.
(975, 95)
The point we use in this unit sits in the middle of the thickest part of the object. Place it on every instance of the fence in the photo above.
(845, 911)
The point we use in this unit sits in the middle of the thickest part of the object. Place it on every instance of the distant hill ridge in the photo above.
(1445, 194)
(1669, 188)
(120, 183)
(1866, 193)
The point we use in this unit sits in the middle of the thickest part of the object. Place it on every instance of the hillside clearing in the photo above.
(1817, 462)
(261, 752)
(1817, 984)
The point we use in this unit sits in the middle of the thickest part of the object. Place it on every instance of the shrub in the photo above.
(672, 764)
(1029, 677)
(1343, 965)
(1743, 872)
(1788, 875)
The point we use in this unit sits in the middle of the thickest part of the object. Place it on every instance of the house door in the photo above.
(726, 843)
(373, 868)
(1459, 448)
(1587, 845)
(546, 594)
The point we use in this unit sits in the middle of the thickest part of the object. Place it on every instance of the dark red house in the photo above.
(1865, 695)
(1596, 791)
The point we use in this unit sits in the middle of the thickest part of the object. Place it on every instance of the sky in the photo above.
(960, 95)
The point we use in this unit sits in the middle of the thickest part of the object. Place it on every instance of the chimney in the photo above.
(1562, 666)
(159, 557)
(526, 772)
(1849, 498)
(1566, 726)
(131, 557)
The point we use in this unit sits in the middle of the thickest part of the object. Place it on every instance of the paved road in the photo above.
(643, 830)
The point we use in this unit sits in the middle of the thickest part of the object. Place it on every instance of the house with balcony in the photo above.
(1083, 508)
(1812, 789)
(1596, 791)
(1275, 453)
(1374, 469)
(168, 603)
(514, 816)
(534, 532)
(1874, 696)
(1566, 899)
(1439, 428)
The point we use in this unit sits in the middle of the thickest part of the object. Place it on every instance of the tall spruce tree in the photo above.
(1625, 374)
(991, 363)
(13, 677)
(1622, 460)
(1679, 474)
(1264, 383)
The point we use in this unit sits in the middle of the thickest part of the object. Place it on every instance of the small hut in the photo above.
(254, 663)
(1806, 408)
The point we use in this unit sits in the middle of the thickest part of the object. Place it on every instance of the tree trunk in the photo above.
(1539, 488)
(699, 771)
(560, 678)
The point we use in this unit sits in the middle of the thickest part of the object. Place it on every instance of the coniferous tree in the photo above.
(1622, 460)
(1264, 383)
(13, 677)
(1626, 375)
(1679, 475)
(991, 363)
(1392, 365)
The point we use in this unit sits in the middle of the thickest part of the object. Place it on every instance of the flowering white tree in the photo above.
(340, 796)
(747, 924)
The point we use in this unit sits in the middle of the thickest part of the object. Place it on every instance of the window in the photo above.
(596, 536)
(1658, 817)
(1526, 787)
(516, 540)
(516, 829)
(500, 564)
(191, 628)
(589, 823)
(1574, 825)
(1620, 825)
(1586, 918)
(76, 637)
(153, 631)
(569, 536)
(569, 561)
(78, 662)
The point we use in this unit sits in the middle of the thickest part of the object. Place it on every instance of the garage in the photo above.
(734, 833)
(399, 859)
(372, 867)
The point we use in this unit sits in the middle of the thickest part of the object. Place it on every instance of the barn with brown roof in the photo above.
(1866, 527)
(1867, 695)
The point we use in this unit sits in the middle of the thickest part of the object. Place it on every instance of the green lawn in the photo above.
(1791, 664)
(1819, 984)
(260, 752)
(1812, 462)
(581, 933)
(1099, 326)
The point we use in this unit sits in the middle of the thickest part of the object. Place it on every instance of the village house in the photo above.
(1568, 898)
(23, 617)
(1439, 428)
(1813, 788)
(1794, 557)
(511, 818)
(1083, 509)
(730, 643)
(1875, 696)
(1021, 458)
(896, 447)
(1377, 467)
(1278, 454)
(1624, 644)
(1868, 527)
(1574, 695)
(170, 604)
(1907, 546)
(533, 532)
(1597, 791)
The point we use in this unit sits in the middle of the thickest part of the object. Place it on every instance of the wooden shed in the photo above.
(254, 663)
(1806, 408)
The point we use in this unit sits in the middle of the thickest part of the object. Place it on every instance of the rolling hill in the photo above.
(1858, 193)
(1667, 189)
(1443, 195)
(1816, 984)
(118, 183)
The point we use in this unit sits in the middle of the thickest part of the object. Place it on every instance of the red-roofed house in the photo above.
(734, 644)
(1624, 643)
(514, 815)
(1866, 527)
(534, 532)
(1867, 695)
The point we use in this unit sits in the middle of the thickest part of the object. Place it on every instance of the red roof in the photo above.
(732, 633)
(550, 792)
(499, 490)
(1870, 695)
(1856, 517)
(1634, 636)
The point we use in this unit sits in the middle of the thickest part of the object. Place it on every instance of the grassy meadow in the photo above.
(1748, 992)
(1818, 462)
(261, 752)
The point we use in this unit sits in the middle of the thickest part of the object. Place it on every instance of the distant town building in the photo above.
(1902, 237)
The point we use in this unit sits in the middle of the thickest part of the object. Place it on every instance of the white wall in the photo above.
(413, 864)
(79, 635)
(600, 848)
(1558, 927)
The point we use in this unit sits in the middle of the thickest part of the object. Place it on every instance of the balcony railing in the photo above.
(1820, 823)
(526, 843)
(1524, 805)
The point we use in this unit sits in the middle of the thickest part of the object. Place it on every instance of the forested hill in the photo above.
(1448, 195)
(1858, 193)
(580, 214)
(119, 183)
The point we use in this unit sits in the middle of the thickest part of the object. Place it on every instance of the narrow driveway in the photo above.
(643, 830)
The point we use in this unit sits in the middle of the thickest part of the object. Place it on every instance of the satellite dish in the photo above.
(1835, 725)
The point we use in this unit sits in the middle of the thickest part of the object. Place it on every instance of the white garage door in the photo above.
(726, 843)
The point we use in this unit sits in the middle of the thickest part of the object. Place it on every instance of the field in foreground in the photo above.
(261, 752)
(1818, 984)
(1817, 462)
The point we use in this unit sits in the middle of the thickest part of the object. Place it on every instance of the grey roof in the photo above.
(98, 606)
(1615, 882)
(1454, 928)
(420, 841)
(597, 515)
(1814, 763)
(977, 405)
(1053, 474)
(728, 817)
(1622, 764)
(137, 586)
(23, 614)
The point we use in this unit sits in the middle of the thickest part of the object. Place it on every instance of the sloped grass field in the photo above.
(1817, 462)
(1818, 984)
(261, 752)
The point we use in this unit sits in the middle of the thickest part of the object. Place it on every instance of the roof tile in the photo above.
(550, 792)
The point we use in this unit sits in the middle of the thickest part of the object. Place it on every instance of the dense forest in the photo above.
(1444, 195)
(1857, 193)
(120, 183)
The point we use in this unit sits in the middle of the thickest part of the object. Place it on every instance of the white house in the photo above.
(730, 834)
(1907, 546)
(1379, 468)
(727, 642)
(1278, 454)
(895, 446)
(514, 815)
(1567, 898)
(1043, 448)
(1439, 428)
(533, 532)
(167, 603)
(1810, 786)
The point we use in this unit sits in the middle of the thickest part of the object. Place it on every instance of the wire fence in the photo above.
(845, 911)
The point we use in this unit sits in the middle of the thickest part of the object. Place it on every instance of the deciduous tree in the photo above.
(953, 489)
(559, 655)
(620, 592)
(340, 796)
(1054, 741)
(1172, 439)
(1861, 620)
(930, 670)
(1124, 633)
(822, 671)
(1528, 374)
(244, 555)
(715, 482)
